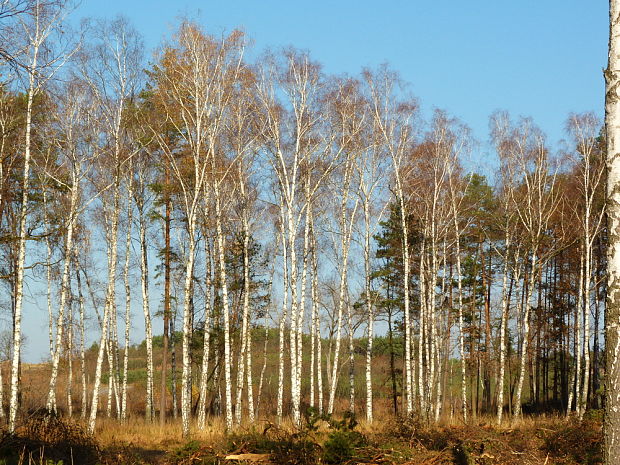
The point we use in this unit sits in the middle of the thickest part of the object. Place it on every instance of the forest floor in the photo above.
(534, 440)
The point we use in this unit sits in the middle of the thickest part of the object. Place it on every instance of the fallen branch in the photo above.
(249, 457)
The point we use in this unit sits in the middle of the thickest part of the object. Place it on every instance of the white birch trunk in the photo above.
(127, 298)
(302, 303)
(526, 334)
(406, 311)
(21, 253)
(345, 243)
(502, 330)
(461, 323)
(224, 284)
(148, 326)
(293, 277)
(313, 310)
(369, 310)
(351, 360)
(64, 291)
(611, 426)
(341, 303)
(422, 387)
(111, 374)
(187, 292)
(84, 398)
(204, 372)
(48, 273)
(70, 368)
(110, 303)
(579, 350)
(244, 354)
(583, 400)
(316, 321)
(285, 286)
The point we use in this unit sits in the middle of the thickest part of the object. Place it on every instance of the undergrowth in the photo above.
(47, 439)
(320, 439)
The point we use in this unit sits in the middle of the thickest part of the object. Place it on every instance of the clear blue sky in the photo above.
(539, 58)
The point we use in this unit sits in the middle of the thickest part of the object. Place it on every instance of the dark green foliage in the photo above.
(341, 445)
(342, 442)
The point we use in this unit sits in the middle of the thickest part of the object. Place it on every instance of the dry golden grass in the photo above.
(552, 439)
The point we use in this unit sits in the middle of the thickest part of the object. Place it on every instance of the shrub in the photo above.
(342, 443)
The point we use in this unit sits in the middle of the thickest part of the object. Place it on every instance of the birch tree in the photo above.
(536, 202)
(72, 121)
(371, 168)
(144, 177)
(348, 114)
(39, 26)
(111, 68)
(392, 120)
(291, 136)
(499, 124)
(194, 80)
(589, 164)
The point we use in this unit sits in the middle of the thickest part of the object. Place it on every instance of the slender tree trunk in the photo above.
(347, 226)
(112, 225)
(21, 250)
(99, 365)
(505, 305)
(204, 372)
(392, 363)
(148, 327)
(586, 324)
(244, 354)
(49, 279)
(422, 387)
(111, 373)
(84, 398)
(262, 371)
(351, 360)
(173, 364)
(70, 367)
(407, 322)
(246, 303)
(312, 313)
(293, 277)
(116, 365)
(285, 286)
(369, 310)
(224, 284)
(578, 340)
(526, 332)
(64, 291)
(167, 272)
(186, 377)
(316, 320)
(127, 298)
(109, 301)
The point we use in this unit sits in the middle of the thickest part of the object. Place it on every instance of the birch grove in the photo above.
(312, 244)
